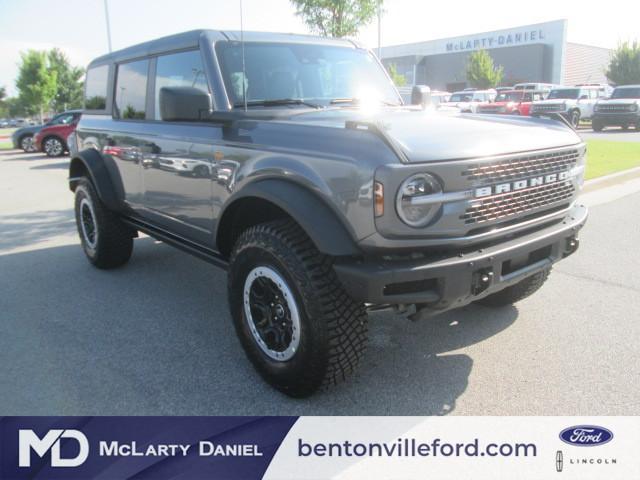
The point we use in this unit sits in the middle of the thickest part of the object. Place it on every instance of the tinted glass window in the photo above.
(179, 70)
(131, 90)
(63, 119)
(96, 88)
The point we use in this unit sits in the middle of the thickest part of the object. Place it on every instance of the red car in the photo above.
(52, 139)
(512, 102)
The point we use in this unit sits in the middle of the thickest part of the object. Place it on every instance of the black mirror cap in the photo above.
(184, 103)
(420, 95)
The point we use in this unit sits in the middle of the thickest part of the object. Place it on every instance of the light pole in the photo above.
(379, 28)
(106, 16)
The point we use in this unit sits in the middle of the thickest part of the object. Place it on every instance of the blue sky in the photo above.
(78, 27)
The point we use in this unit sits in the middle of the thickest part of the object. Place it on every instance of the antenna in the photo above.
(244, 73)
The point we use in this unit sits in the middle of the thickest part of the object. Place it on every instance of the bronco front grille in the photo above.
(505, 205)
(614, 108)
(523, 166)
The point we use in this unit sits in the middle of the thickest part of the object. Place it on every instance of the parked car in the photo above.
(572, 103)
(4, 123)
(622, 109)
(323, 207)
(23, 137)
(511, 102)
(52, 138)
(604, 90)
(467, 101)
(545, 87)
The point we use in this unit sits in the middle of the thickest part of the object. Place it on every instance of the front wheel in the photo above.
(27, 144)
(597, 126)
(517, 292)
(53, 147)
(106, 241)
(297, 324)
(574, 119)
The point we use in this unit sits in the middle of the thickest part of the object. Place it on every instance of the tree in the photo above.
(337, 18)
(624, 67)
(69, 90)
(3, 93)
(397, 78)
(36, 83)
(481, 72)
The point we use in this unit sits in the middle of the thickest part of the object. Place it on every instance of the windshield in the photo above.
(461, 97)
(317, 74)
(567, 93)
(626, 93)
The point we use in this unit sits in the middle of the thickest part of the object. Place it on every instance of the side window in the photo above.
(179, 70)
(593, 93)
(62, 119)
(131, 90)
(95, 95)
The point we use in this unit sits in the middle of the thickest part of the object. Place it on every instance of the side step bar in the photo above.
(194, 249)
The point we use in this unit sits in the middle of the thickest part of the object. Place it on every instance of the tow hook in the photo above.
(481, 280)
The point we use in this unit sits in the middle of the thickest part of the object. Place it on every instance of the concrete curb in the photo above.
(612, 179)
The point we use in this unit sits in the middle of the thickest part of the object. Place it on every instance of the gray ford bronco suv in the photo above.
(291, 162)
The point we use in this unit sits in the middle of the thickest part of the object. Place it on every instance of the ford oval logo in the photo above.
(586, 435)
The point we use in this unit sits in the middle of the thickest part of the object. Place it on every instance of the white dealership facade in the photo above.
(530, 53)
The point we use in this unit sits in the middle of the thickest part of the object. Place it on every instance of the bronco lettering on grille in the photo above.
(521, 184)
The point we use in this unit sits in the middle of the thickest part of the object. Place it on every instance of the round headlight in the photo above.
(417, 199)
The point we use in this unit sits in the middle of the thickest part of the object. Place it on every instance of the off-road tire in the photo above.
(333, 327)
(517, 292)
(114, 240)
(597, 126)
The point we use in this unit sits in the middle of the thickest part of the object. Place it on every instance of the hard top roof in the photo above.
(192, 38)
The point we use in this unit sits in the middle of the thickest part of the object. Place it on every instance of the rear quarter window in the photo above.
(95, 96)
(131, 90)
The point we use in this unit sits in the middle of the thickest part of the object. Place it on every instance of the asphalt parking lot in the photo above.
(155, 337)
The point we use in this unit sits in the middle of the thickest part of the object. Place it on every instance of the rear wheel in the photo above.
(106, 241)
(597, 126)
(53, 146)
(625, 127)
(517, 292)
(298, 326)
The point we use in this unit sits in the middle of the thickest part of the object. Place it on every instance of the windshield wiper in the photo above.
(356, 101)
(277, 102)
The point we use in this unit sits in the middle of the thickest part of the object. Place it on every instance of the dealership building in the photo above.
(530, 53)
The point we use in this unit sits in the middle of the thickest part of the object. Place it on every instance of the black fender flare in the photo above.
(91, 161)
(317, 219)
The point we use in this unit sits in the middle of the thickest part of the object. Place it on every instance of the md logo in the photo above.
(28, 441)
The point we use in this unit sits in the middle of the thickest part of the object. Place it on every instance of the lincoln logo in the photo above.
(521, 184)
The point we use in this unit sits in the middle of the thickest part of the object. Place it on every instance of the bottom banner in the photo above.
(457, 448)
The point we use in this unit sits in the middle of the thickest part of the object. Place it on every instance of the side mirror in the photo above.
(184, 103)
(420, 95)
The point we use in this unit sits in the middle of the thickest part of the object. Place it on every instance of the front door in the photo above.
(177, 157)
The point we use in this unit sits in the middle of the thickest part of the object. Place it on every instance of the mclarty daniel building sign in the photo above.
(527, 53)
(484, 42)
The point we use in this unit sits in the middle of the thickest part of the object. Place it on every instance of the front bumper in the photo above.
(456, 279)
(617, 119)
